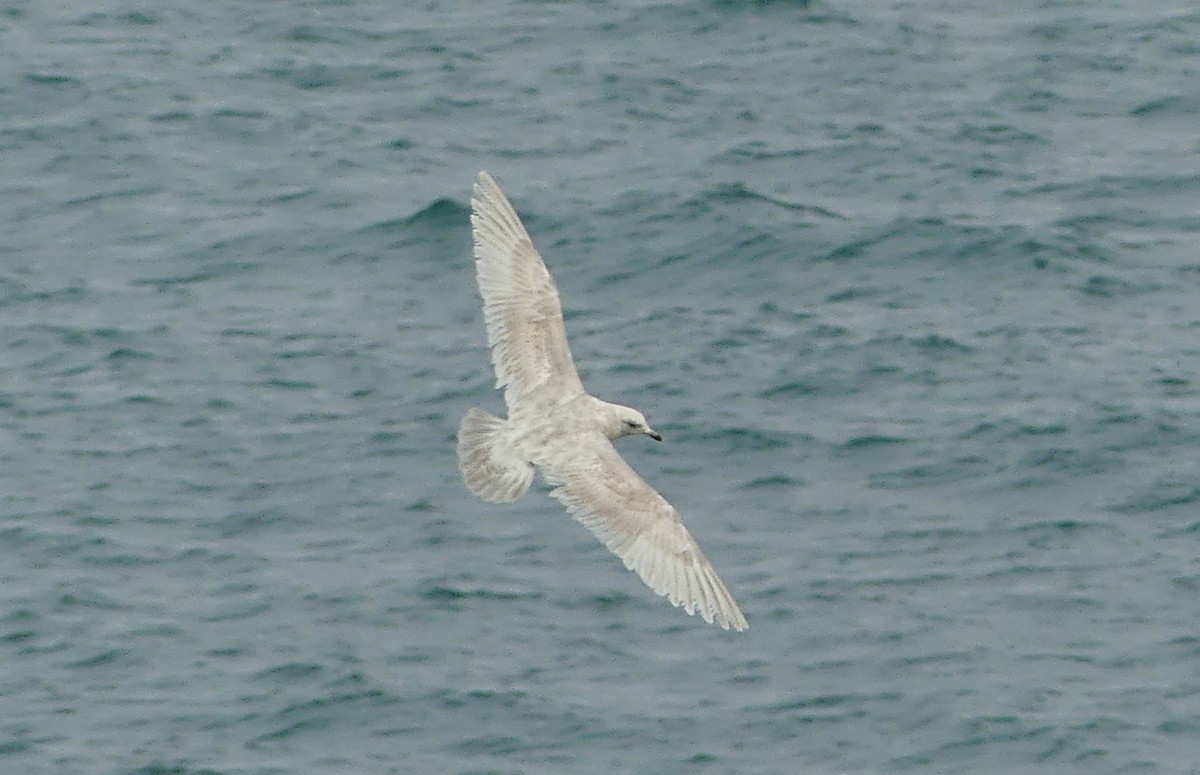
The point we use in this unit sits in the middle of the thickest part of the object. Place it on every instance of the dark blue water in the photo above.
(912, 289)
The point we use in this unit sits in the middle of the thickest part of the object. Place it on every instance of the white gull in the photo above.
(553, 425)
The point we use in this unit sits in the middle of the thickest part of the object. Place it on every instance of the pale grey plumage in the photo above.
(520, 303)
(555, 426)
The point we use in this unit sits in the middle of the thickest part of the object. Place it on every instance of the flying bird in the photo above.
(557, 428)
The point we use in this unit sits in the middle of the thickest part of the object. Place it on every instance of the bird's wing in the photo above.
(520, 302)
(604, 493)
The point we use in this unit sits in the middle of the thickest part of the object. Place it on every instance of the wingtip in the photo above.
(732, 620)
(726, 620)
(485, 180)
(486, 194)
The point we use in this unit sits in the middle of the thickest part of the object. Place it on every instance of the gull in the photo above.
(557, 428)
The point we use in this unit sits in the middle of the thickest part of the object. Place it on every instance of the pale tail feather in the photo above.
(490, 464)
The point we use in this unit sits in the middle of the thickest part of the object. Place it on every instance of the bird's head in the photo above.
(627, 422)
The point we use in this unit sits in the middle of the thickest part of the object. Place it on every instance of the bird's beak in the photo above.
(654, 434)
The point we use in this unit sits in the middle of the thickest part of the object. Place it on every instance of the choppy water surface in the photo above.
(911, 288)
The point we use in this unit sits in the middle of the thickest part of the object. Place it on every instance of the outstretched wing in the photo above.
(520, 302)
(604, 493)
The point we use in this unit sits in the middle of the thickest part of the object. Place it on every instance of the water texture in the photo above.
(911, 289)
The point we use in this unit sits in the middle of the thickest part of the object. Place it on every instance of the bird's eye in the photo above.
(631, 423)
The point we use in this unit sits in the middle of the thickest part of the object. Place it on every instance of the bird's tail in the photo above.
(488, 459)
